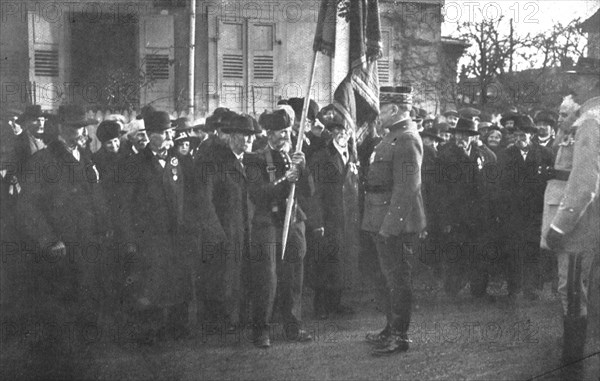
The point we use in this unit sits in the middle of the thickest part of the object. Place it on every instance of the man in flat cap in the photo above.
(226, 214)
(394, 214)
(524, 169)
(159, 284)
(61, 209)
(465, 209)
(275, 281)
(572, 209)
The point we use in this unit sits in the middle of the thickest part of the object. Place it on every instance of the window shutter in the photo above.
(262, 66)
(232, 64)
(156, 54)
(46, 66)
(386, 62)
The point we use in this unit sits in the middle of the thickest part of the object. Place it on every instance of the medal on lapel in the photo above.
(174, 164)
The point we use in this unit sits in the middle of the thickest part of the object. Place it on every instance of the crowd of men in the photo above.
(153, 214)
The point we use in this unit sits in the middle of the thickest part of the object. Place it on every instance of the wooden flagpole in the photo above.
(292, 195)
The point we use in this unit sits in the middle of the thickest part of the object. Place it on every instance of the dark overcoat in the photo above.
(154, 220)
(62, 200)
(336, 194)
(225, 212)
(522, 186)
(467, 181)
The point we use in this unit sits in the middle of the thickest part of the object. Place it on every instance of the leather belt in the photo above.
(377, 188)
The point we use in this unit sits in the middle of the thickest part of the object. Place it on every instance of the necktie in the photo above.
(345, 157)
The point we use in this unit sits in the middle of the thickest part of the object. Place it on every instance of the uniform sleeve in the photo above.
(584, 180)
(407, 160)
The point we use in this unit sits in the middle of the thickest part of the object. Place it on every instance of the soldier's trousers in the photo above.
(394, 264)
(574, 277)
(274, 281)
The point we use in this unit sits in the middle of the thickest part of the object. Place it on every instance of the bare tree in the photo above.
(560, 46)
(492, 52)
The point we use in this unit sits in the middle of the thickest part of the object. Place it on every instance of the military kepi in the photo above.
(396, 95)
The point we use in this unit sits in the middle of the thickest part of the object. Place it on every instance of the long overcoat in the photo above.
(336, 194)
(154, 219)
(226, 213)
(62, 200)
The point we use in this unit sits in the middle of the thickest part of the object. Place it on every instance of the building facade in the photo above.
(115, 54)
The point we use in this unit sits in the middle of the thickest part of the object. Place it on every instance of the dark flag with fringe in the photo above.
(357, 96)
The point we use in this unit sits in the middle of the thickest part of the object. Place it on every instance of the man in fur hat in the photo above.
(276, 282)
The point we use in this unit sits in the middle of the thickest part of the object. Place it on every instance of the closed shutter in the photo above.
(386, 62)
(262, 65)
(46, 65)
(232, 67)
(247, 67)
(156, 55)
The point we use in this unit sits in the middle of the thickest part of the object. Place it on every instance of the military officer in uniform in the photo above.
(394, 213)
(572, 208)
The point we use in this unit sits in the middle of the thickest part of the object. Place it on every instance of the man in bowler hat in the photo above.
(158, 282)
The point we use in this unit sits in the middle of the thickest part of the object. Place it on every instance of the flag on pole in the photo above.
(357, 96)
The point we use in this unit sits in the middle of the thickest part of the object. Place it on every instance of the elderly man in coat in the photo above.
(336, 193)
(62, 211)
(571, 222)
(276, 282)
(465, 209)
(159, 284)
(524, 171)
(226, 213)
(394, 213)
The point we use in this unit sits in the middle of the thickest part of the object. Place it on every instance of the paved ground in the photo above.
(452, 340)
